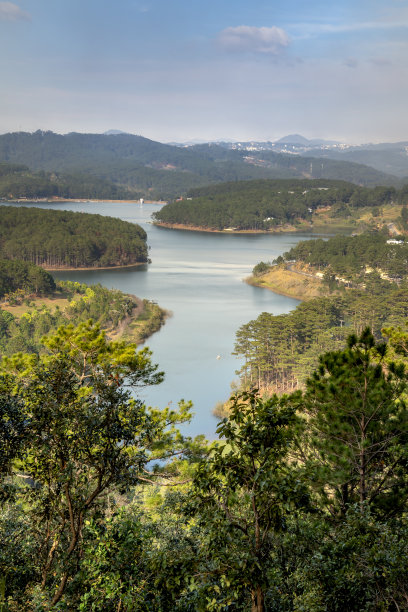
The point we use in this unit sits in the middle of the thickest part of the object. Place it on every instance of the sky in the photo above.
(188, 70)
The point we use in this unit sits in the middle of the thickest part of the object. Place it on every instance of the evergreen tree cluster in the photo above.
(278, 351)
(18, 182)
(30, 278)
(58, 239)
(301, 504)
(351, 256)
(266, 204)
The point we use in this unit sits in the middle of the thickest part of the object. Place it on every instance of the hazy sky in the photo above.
(206, 69)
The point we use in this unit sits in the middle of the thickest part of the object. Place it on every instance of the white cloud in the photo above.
(256, 40)
(12, 12)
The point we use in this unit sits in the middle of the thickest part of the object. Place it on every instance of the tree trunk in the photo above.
(60, 591)
(257, 596)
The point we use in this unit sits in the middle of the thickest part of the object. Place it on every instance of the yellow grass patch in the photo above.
(289, 283)
(36, 302)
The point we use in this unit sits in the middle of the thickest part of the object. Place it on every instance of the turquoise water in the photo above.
(197, 276)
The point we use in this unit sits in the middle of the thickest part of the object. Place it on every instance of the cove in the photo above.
(198, 277)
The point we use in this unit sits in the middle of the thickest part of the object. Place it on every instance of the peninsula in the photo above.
(63, 240)
(32, 304)
(279, 206)
(315, 268)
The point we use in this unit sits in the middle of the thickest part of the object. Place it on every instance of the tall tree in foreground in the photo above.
(87, 436)
(357, 428)
(13, 433)
(242, 494)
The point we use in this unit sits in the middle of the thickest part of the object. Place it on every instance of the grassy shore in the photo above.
(291, 283)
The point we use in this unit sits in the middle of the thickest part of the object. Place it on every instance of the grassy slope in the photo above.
(361, 218)
(146, 317)
(290, 283)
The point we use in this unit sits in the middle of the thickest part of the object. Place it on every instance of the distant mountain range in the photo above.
(297, 139)
(158, 170)
(391, 158)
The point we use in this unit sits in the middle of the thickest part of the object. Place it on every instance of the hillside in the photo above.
(286, 165)
(61, 239)
(271, 205)
(345, 283)
(163, 171)
(17, 181)
(384, 157)
(29, 310)
(353, 260)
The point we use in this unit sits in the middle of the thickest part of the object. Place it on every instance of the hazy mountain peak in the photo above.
(293, 139)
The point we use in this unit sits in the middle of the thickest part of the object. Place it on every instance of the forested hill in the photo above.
(304, 166)
(165, 171)
(62, 239)
(18, 181)
(267, 204)
(279, 351)
(24, 276)
(385, 157)
(353, 257)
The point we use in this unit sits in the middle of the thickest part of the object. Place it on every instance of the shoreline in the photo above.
(145, 319)
(289, 283)
(57, 269)
(80, 201)
(250, 281)
(193, 228)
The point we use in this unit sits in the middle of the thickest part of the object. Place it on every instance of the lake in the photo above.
(198, 277)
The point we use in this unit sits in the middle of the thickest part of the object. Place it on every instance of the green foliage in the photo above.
(358, 564)
(300, 506)
(135, 561)
(108, 307)
(18, 182)
(18, 556)
(266, 204)
(357, 428)
(350, 256)
(110, 166)
(404, 217)
(13, 433)
(243, 493)
(61, 239)
(30, 278)
(279, 351)
(85, 436)
(260, 268)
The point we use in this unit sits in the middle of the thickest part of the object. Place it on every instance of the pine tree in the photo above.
(357, 428)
